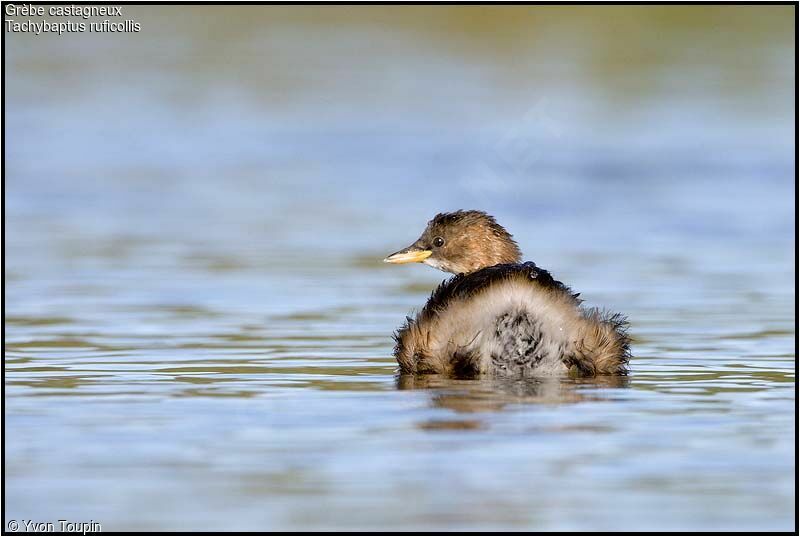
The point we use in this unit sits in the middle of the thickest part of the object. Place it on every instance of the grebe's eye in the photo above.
(438, 242)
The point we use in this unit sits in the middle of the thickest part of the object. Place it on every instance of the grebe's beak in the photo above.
(412, 254)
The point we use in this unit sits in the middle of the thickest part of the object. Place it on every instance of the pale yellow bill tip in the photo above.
(413, 256)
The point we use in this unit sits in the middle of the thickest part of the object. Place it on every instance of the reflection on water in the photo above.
(198, 325)
(495, 395)
(480, 395)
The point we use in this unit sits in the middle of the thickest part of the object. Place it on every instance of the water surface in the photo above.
(198, 326)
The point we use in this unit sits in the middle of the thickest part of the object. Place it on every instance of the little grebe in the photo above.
(498, 315)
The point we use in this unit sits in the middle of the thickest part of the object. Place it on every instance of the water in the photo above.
(198, 326)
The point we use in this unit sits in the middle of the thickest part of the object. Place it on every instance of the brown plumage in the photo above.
(500, 316)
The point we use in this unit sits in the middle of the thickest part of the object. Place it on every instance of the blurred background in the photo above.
(198, 325)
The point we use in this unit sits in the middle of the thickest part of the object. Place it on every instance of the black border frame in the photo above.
(4, 531)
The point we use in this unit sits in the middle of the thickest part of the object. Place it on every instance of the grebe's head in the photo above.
(461, 242)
